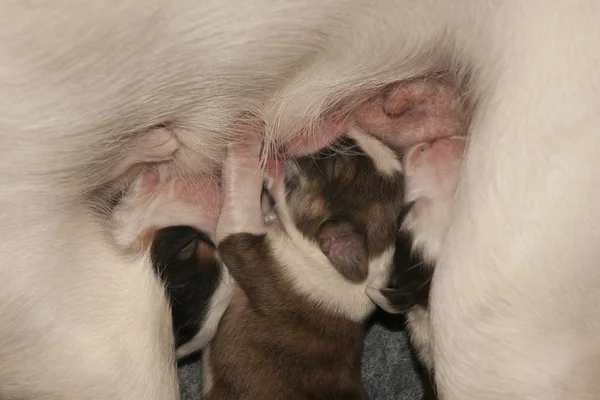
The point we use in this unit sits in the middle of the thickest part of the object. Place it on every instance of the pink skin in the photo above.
(302, 144)
(205, 195)
(193, 201)
(410, 113)
(432, 170)
(404, 115)
(197, 201)
(414, 112)
(324, 134)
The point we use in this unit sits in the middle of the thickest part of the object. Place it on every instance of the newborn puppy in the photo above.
(198, 286)
(186, 262)
(295, 330)
(432, 170)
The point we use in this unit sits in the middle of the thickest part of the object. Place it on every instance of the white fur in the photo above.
(313, 275)
(207, 375)
(418, 321)
(218, 304)
(157, 146)
(514, 299)
(138, 211)
(431, 184)
(429, 229)
(385, 159)
(432, 187)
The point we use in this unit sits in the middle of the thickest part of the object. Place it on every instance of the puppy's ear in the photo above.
(205, 252)
(346, 248)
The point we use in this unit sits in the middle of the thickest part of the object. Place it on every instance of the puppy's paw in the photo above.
(242, 181)
(246, 140)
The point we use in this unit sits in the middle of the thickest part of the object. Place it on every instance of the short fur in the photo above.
(285, 338)
(80, 82)
(148, 223)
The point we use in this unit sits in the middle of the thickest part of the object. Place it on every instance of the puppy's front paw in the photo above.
(246, 139)
(242, 181)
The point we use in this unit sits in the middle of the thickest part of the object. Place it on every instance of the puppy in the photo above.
(295, 330)
(186, 262)
(431, 171)
(82, 82)
(196, 282)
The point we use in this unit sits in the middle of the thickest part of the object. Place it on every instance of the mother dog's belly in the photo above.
(77, 93)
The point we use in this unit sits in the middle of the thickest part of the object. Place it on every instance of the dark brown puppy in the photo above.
(295, 328)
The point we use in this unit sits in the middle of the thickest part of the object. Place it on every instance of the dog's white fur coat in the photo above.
(514, 300)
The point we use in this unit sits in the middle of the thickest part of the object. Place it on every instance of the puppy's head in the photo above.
(342, 204)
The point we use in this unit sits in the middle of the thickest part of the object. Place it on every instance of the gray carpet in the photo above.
(388, 367)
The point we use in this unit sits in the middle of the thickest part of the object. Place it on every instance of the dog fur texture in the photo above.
(514, 303)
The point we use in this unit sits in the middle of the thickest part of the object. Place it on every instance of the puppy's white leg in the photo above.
(515, 301)
(242, 182)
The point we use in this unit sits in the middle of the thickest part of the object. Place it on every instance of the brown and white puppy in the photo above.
(295, 330)
(431, 174)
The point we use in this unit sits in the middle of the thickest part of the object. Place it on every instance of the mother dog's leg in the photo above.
(515, 300)
(80, 320)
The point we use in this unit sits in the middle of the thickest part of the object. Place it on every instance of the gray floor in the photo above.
(388, 368)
